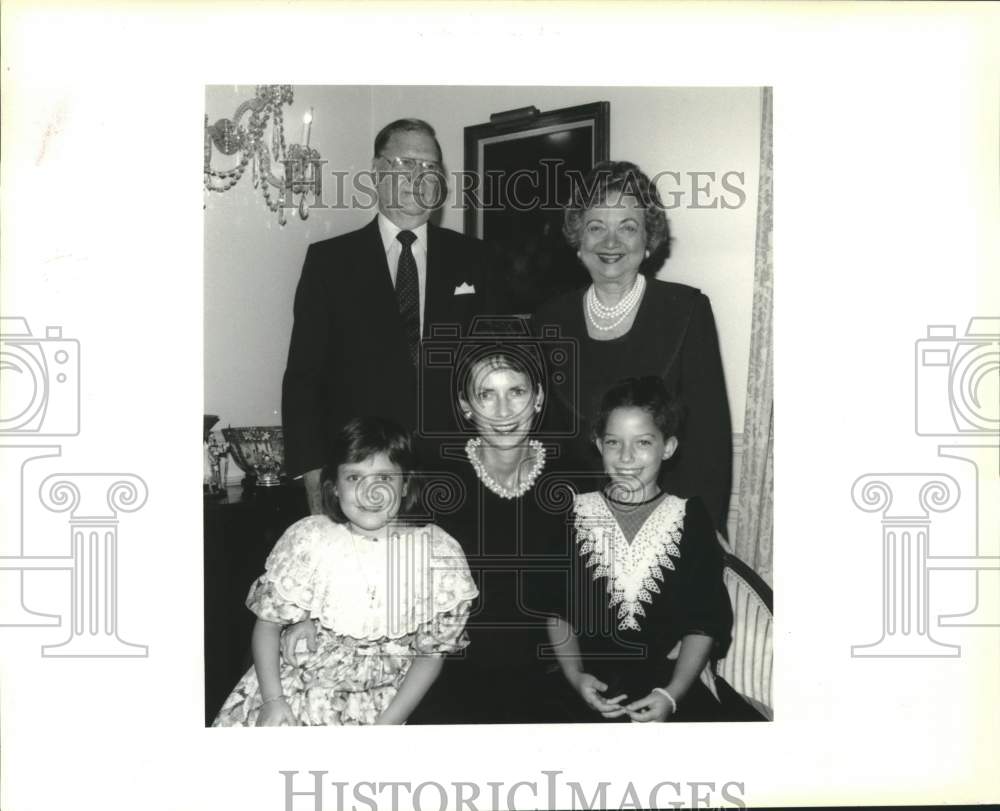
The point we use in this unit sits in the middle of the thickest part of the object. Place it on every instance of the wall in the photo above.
(252, 265)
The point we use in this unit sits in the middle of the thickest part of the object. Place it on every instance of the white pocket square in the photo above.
(464, 289)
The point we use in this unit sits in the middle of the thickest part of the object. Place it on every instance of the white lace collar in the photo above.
(370, 589)
(632, 569)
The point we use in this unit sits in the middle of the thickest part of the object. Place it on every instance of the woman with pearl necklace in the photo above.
(627, 325)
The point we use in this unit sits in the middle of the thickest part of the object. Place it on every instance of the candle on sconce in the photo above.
(307, 121)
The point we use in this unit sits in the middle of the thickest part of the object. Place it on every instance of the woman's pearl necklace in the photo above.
(618, 312)
(471, 448)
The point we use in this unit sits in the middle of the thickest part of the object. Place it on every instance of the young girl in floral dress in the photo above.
(648, 609)
(388, 599)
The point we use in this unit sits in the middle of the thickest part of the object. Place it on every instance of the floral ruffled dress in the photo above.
(376, 604)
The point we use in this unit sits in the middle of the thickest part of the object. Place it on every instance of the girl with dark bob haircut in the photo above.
(647, 393)
(378, 601)
(608, 182)
(360, 439)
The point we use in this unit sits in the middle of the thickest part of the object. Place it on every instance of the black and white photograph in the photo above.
(595, 404)
(520, 475)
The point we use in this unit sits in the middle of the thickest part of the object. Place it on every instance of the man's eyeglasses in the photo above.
(414, 167)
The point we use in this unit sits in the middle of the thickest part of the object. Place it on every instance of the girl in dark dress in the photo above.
(648, 609)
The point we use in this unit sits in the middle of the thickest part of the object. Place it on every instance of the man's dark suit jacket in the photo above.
(348, 354)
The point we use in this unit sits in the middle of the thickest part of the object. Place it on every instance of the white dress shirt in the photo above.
(393, 247)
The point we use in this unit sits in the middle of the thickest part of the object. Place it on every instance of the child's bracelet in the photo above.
(281, 697)
(670, 698)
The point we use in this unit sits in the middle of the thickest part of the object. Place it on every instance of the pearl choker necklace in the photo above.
(471, 448)
(621, 311)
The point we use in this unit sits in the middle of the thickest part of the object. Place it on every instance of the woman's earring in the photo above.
(467, 415)
(538, 408)
(647, 253)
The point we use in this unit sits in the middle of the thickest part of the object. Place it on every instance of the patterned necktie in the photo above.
(408, 293)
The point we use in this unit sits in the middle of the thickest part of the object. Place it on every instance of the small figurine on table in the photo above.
(216, 453)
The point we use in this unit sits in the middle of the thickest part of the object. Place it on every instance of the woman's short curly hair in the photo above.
(609, 181)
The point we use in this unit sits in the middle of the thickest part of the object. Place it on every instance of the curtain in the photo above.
(755, 524)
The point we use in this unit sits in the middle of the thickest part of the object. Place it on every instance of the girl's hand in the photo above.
(654, 707)
(276, 713)
(590, 687)
(292, 634)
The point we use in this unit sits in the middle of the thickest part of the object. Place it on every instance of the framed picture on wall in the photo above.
(519, 168)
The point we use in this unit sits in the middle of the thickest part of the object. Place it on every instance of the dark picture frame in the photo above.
(519, 168)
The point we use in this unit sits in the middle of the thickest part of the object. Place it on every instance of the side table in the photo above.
(240, 530)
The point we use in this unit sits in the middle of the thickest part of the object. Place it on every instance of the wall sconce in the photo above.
(260, 149)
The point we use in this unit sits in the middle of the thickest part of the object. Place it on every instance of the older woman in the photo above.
(628, 324)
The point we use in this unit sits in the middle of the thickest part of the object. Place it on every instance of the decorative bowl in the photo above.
(259, 450)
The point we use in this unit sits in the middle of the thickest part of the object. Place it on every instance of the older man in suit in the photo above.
(365, 300)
